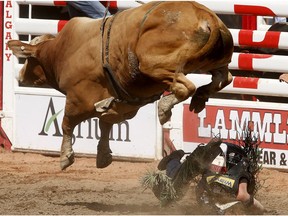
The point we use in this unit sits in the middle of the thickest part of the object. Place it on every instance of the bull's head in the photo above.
(32, 73)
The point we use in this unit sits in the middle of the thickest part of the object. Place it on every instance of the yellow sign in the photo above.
(222, 180)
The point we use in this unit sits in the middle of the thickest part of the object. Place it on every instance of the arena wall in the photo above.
(33, 115)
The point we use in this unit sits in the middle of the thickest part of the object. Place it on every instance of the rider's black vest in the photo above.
(237, 166)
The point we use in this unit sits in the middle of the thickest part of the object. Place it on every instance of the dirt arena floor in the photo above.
(34, 184)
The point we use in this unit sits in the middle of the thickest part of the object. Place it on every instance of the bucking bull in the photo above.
(109, 68)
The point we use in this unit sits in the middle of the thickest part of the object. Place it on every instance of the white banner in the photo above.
(38, 127)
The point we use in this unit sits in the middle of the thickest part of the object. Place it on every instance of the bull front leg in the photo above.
(220, 78)
(181, 89)
(104, 157)
(165, 106)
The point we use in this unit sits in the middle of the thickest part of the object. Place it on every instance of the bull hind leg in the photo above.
(66, 153)
(220, 78)
(181, 89)
(104, 157)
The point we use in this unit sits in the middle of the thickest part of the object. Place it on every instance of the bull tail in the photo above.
(219, 39)
(211, 29)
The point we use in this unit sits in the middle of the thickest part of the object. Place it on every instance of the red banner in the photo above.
(269, 126)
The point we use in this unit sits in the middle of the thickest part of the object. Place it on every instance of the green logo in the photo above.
(51, 120)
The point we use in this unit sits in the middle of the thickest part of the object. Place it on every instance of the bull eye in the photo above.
(22, 48)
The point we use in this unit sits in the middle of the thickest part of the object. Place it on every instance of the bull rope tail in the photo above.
(140, 2)
(102, 29)
(146, 16)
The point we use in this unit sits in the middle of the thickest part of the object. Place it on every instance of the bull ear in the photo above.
(22, 50)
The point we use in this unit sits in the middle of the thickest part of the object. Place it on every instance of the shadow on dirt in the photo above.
(119, 208)
(139, 209)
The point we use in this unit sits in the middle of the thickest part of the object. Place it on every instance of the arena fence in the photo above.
(254, 95)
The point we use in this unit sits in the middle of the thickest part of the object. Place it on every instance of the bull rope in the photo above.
(105, 56)
(118, 90)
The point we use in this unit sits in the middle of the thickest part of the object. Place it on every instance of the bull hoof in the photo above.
(164, 108)
(164, 116)
(103, 160)
(67, 161)
(197, 104)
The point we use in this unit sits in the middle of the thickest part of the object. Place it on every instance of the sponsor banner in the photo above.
(269, 126)
(274, 158)
(7, 77)
(38, 127)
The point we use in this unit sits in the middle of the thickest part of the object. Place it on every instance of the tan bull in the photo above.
(110, 69)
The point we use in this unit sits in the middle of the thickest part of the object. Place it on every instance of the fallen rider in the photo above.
(227, 173)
